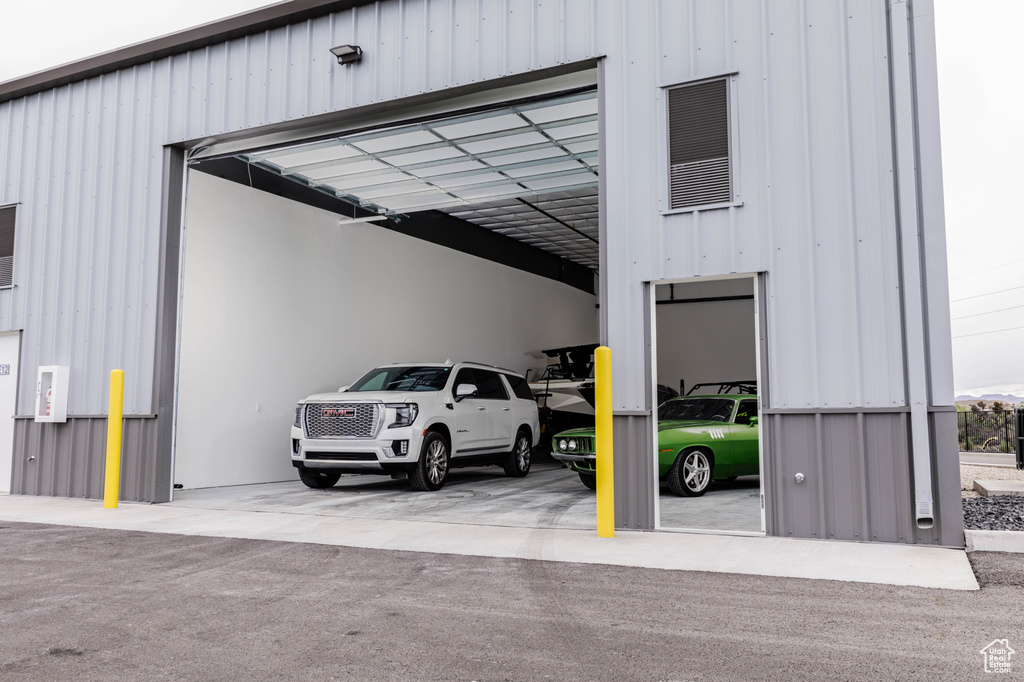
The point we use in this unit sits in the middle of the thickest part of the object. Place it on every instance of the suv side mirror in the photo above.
(342, 389)
(465, 391)
(753, 420)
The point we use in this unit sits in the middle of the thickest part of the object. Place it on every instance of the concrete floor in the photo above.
(550, 497)
(734, 506)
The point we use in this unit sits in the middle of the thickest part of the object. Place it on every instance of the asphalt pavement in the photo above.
(89, 604)
(989, 458)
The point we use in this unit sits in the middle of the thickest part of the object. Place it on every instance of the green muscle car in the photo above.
(700, 438)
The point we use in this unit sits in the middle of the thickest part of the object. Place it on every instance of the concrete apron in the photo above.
(889, 564)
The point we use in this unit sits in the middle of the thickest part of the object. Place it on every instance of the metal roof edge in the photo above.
(221, 30)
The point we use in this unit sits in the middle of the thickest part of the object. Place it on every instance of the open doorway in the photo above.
(471, 236)
(708, 448)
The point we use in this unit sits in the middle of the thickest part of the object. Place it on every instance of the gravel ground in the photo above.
(968, 474)
(1002, 512)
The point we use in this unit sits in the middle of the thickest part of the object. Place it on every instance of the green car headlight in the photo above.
(562, 445)
(572, 444)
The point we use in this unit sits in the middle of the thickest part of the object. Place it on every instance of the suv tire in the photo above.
(517, 464)
(318, 479)
(431, 471)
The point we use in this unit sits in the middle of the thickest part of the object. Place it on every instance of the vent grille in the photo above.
(699, 171)
(342, 456)
(362, 424)
(7, 246)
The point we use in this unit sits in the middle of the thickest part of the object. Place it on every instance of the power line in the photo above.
(967, 298)
(989, 312)
(994, 331)
(994, 267)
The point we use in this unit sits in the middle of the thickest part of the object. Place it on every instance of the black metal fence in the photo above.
(1019, 421)
(987, 431)
(990, 431)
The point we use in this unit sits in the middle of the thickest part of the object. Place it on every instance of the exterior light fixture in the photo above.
(348, 54)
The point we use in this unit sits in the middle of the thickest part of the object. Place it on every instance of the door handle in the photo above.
(481, 408)
(506, 408)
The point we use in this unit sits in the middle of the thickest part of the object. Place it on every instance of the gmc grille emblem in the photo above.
(338, 412)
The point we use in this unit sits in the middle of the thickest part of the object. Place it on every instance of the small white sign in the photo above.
(5, 370)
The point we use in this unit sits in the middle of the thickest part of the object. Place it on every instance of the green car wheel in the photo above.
(690, 476)
(589, 480)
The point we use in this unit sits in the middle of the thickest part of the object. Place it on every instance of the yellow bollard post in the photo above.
(603, 424)
(115, 414)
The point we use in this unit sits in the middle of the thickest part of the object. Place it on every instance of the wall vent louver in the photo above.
(699, 164)
(7, 246)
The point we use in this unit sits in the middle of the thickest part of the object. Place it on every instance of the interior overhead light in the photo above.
(348, 54)
(367, 219)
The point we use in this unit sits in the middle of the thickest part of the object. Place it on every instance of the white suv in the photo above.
(417, 419)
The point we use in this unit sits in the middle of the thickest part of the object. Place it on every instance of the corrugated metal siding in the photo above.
(84, 161)
(857, 484)
(813, 172)
(812, 158)
(634, 470)
(69, 458)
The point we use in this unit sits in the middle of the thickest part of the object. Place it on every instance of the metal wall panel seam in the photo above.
(139, 350)
(853, 255)
(862, 470)
(6, 112)
(74, 184)
(784, 505)
(36, 204)
(121, 217)
(930, 184)
(307, 76)
(814, 395)
(771, 360)
(824, 478)
(134, 245)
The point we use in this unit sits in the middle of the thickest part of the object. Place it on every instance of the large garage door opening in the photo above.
(469, 237)
(708, 454)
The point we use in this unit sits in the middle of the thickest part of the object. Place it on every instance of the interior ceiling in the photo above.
(528, 171)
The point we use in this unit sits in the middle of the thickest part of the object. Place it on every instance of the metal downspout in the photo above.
(903, 107)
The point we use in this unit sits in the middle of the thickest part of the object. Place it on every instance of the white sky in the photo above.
(982, 143)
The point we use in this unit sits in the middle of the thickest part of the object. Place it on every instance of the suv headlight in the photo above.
(298, 416)
(405, 414)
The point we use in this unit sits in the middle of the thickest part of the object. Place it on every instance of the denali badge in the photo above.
(338, 412)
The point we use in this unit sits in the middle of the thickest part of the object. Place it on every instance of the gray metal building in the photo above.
(832, 202)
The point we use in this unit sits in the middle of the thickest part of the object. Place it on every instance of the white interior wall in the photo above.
(706, 342)
(281, 302)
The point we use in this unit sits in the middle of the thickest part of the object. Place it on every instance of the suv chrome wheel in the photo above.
(437, 462)
(517, 463)
(431, 471)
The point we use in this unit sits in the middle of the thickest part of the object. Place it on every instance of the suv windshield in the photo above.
(717, 409)
(403, 379)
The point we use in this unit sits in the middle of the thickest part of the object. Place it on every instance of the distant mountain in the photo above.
(993, 396)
